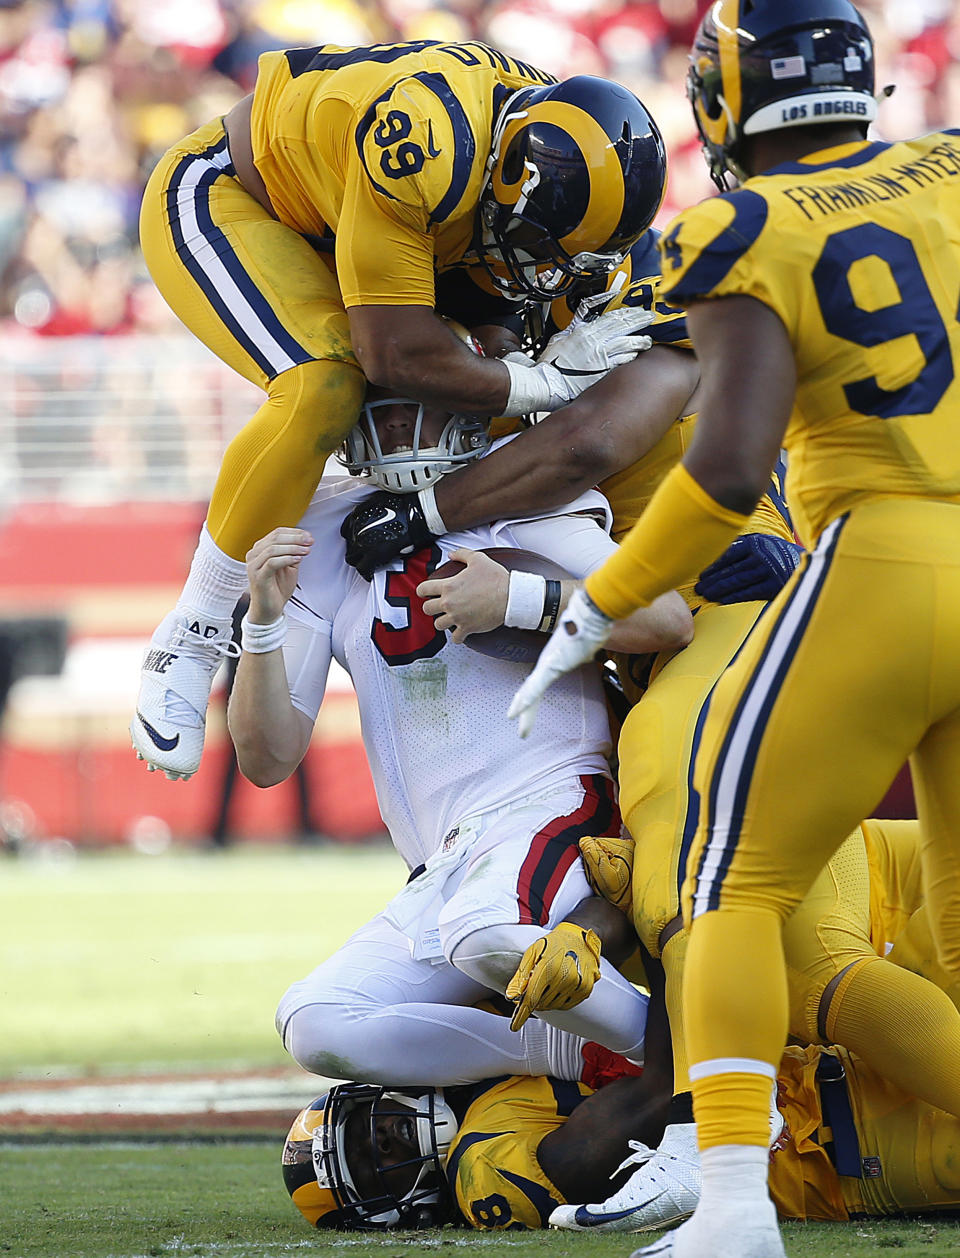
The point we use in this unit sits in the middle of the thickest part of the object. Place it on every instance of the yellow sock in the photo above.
(735, 1003)
(273, 465)
(901, 1025)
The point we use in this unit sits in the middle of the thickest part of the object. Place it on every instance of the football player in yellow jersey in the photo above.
(504, 1154)
(508, 1153)
(862, 1002)
(823, 302)
(848, 984)
(308, 238)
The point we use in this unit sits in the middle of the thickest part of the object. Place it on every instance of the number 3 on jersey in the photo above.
(418, 638)
(915, 314)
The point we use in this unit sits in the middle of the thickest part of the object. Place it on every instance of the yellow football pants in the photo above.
(852, 670)
(656, 799)
(829, 930)
(268, 304)
(912, 1149)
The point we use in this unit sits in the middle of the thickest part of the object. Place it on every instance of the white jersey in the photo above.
(433, 712)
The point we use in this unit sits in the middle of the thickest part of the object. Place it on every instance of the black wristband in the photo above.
(551, 607)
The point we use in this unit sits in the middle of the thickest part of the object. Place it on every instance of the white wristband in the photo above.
(526, 593)
(431, 515)
(530, 388)
(259, 639)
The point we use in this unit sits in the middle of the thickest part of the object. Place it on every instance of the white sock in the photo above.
(215, 582)
(734, 1171)
(614, 1014)
(562, 1052)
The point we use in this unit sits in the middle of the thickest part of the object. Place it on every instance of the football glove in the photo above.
(380, 528)
(576, 358)
(556, 972)
(580, 633)
(608, 864)
(754, 566)
(592, 349)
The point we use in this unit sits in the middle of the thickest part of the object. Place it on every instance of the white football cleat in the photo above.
(732, 1229)
(663, 1191)
(178, 670)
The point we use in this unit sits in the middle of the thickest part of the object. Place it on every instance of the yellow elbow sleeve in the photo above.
(681, 531)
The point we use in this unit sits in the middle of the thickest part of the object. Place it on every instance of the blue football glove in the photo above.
(755, 566)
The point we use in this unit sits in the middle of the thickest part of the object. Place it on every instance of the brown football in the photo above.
(518, 646)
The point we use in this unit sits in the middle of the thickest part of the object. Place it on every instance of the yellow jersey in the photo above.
(492, 1165)
(493, 1170)
(382, 152)
(857, 250)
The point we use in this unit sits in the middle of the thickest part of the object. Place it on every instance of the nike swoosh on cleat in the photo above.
(164, 744)
(594, 1220)
(388, 515)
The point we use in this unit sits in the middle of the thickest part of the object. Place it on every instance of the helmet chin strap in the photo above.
(528, 186)
(507, 115)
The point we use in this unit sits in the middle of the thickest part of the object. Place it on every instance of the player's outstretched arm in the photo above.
(608, 427)
(476, 600)
(614, 423)
(270, 735)
(747, 391)
(409, 349)
(581, 1156)
(748, 385)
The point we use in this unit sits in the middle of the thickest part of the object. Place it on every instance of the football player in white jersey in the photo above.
(487, 823)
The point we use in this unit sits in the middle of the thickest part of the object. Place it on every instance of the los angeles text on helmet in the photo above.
(818, 201)
(824, 109)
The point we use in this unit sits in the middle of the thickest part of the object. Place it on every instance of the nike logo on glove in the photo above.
(387, 516)
(164, 744)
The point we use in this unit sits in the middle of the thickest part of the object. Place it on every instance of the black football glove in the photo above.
(381, 527)
(754, 566)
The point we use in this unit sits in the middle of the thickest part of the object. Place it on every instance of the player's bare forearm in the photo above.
(610, 426)
(268, 732)
(411, 350)
(666, 625)
(270, 735)
(615, 931)
(746, 396)
(475, 601)
(582, 1155)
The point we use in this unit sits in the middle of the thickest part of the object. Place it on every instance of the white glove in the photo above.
(576, 358)
(580, 633)
(600, 345)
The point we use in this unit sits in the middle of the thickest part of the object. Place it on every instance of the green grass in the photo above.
(227, 1201)
(120, 960)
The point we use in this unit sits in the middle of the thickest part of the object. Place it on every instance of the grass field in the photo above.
(226, 1201)
(122, 962)
(119, 960)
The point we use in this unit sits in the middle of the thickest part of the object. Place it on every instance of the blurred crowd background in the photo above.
(93, 91)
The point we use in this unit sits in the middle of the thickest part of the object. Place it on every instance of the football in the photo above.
(518, 646)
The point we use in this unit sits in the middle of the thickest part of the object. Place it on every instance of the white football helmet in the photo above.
(464, 437)
(338, 1175)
